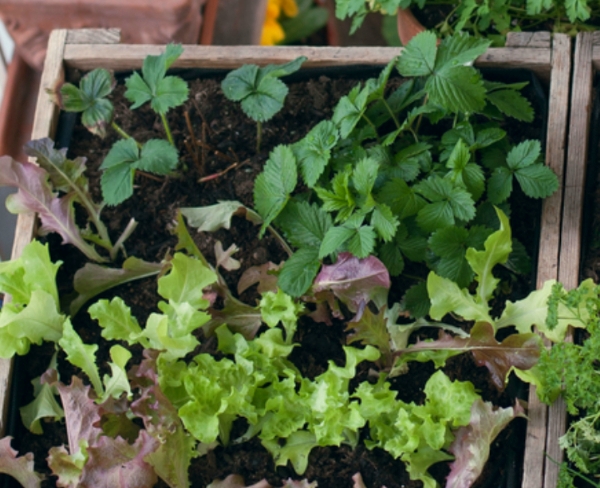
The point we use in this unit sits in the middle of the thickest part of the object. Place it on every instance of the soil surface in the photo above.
(223, 139)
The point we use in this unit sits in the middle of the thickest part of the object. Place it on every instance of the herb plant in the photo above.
(259, 90)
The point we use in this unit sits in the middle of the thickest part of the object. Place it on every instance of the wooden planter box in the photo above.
(549, 58)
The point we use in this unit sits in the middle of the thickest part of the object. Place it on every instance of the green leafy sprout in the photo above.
(128, 156)
(481, 19)
(259, 90)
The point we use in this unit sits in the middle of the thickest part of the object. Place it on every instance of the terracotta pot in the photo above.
(29, 22)
(408, 26)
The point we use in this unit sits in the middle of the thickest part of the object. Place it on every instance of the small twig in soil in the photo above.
(202, 115)
(221, 173)
(203, 152)
(148, 175)
(194, 144)
(218, 153)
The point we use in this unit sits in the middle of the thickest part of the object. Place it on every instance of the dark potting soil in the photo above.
(224, 140)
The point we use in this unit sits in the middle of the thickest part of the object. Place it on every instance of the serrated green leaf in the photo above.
(459, 89)
(416, 300)
(418, 57)
(459, 49)
(390, 255)
(499, 185)
(123, 151)
(274, 185)
(341, 198)
(524, 154)
(487, 137)
(162, 92)
(335, 240)
(537, 181)
(185, 282)
(263, 103)
(511, 103)
(448, 203)
(403, 200)
(314, 151)
(362, 243)
(158, 156)
(363, 178)
(350, 109)
(384, 222)
(299, 272)
(117, 184)
(304, 225)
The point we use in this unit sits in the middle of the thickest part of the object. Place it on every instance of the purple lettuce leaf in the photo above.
(263, 275)
(19, 467)
(355, 282)
(175, 447)
(35, 195)
(238, 316)
(471, 446)
(327, 307)
(114, 463)
(519, 350)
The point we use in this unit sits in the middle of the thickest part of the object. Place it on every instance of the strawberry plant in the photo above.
(128, 156)
(484, 19)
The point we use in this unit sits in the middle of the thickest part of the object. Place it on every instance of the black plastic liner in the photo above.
(508, 474)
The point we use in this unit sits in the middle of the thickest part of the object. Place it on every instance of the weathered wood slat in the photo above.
(94, 36)
(119, 57)
(529, 39)
(44, 125)
(570, 250)
(535, 459)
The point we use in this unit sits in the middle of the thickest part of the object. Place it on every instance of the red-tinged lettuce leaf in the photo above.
(236, 481)
(358, 481)
(176, 448)
(355, 282)
(223, 257)
(82, 415)
(19, 467)
(327, 307)
(93, 279)
(263, 275)
(521, 351)
(238, 316)
(471, 446)
(35, 195)
(372, 329)
(114, 463)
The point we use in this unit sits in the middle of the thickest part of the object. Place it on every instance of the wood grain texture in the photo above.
(93, 36)
(127, 57)
(44, 125)
(570, 247)
(535, 444)
(529, 39)
(239, 22)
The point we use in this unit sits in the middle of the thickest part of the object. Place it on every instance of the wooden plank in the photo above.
(127, 57)
(570, 250)
(529, 39)
(535, 443)
(93, 36)
(44, 125)
(239, 22)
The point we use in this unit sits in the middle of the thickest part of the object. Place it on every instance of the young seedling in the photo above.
(260, 90)
(163, 92)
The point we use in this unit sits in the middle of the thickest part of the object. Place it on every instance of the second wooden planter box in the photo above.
(548, 58)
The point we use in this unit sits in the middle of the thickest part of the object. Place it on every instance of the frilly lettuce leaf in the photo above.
(471, 447)
(279, 307)
(19, 467)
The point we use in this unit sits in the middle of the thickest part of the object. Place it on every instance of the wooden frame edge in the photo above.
(537, 425)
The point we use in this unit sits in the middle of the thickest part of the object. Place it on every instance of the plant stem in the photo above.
(372, 125)
(281, 240)
(258, 136)
(163, 117)
(389, 109)
(119, 130)
(123, 237)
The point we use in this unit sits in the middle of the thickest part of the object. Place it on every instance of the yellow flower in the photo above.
(272, 32)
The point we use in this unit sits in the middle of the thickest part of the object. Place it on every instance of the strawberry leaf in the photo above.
(314, 151)
(274, 185)
(299, 271)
